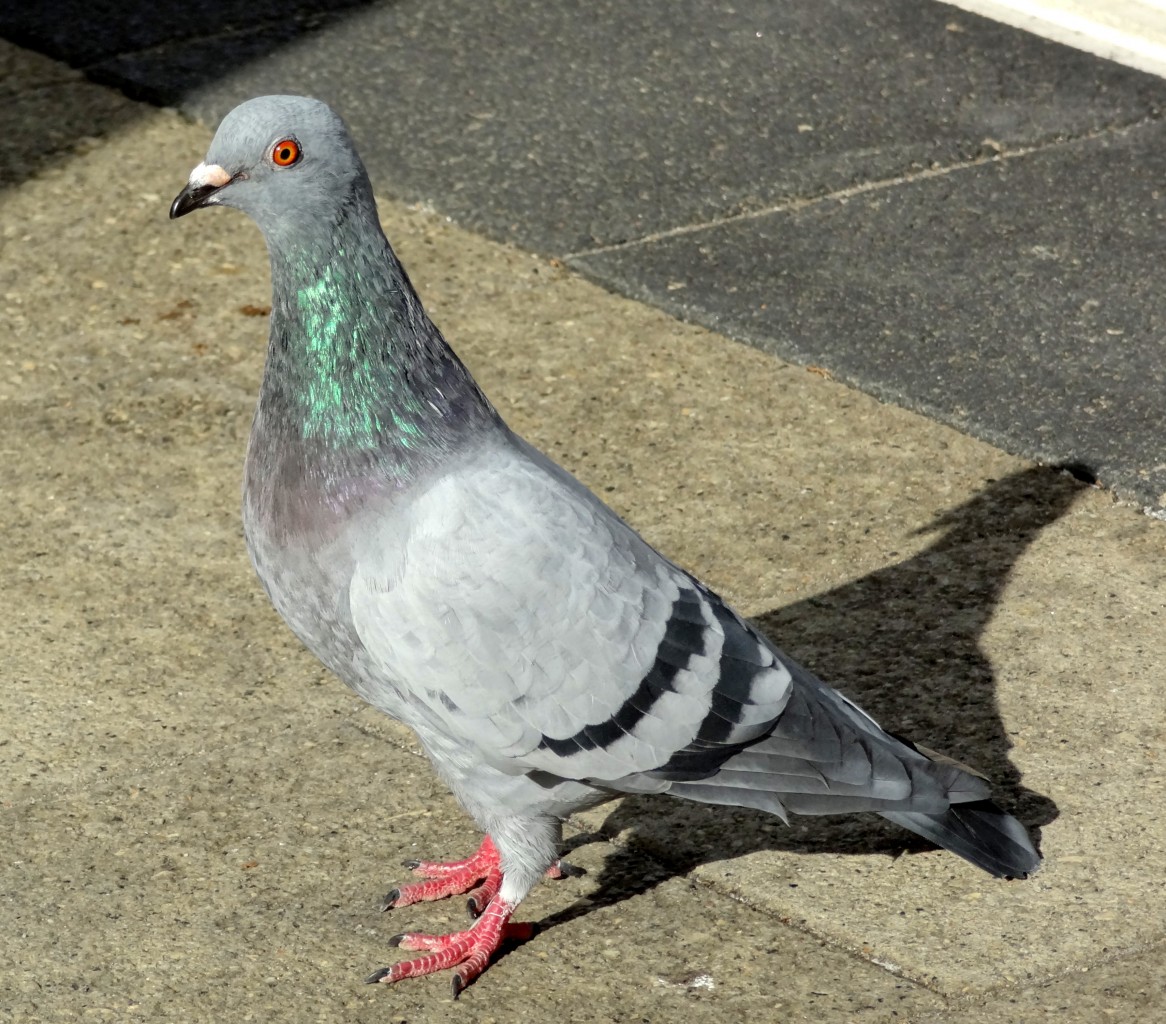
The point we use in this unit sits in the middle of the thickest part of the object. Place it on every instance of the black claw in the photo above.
(397, 939)
(570, 870)
(376, 975)
(412, 865)
(472, 907)
(390, 899)
(458, 985)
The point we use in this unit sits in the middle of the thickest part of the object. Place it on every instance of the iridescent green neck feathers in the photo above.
(354, 363)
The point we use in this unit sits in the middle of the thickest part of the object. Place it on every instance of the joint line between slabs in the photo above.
(852, 191)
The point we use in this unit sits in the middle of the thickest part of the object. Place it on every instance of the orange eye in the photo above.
(285, 153)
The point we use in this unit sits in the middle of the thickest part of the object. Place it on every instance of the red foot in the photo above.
(485, 857)
(478, 899)
(462, 876)
(470, 949)
(561, 869)
(448, 879)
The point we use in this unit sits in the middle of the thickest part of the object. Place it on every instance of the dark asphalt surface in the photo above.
(948, 213)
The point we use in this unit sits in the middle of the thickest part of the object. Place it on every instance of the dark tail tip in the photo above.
(979, 832)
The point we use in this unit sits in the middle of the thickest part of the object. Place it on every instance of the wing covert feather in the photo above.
(535, 625)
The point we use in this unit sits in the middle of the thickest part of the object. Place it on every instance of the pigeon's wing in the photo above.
(533, 624)
(528, 624)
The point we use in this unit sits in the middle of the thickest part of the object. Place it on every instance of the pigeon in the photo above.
(456, 578)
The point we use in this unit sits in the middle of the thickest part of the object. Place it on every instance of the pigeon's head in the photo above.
(283, 160)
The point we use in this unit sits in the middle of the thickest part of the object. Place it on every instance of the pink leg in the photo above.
(481, 896)
(470, 949)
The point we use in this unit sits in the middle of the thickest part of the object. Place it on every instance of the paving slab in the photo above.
(1127, 990)
(198, 821)
(1014, 298)
(237, 876)
(561, 127)
(1008, 298)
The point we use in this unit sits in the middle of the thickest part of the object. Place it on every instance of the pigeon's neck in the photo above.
(354, 364)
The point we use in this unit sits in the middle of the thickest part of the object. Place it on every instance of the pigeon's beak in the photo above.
(205, 181)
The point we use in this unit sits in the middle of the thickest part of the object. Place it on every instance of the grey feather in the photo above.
(547, 657)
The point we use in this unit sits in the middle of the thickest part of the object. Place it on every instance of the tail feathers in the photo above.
(825, 755)
(979, 832)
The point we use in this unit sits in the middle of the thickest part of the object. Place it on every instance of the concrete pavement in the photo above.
(198, 822)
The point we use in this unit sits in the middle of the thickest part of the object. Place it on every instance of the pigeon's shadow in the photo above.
(905, 643)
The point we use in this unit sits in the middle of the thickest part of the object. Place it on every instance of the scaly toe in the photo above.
(469, 951)
(561, 869)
